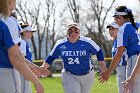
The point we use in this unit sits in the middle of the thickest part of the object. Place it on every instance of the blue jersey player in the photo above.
(76, 51)
(11, 59)
(121, 67)
(127, 38)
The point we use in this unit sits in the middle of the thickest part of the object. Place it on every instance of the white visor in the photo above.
(73, 25)
(120, 13)
(113, 25)
(28, 28)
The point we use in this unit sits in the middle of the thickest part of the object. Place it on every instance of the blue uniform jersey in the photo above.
(25, 49)
(76, 57)
(128, 36)
(9, 36)
(124, 56)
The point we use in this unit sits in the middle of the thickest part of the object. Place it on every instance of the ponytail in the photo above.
(131, 17)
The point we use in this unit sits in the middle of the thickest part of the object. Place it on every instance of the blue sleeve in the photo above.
(123, 36)
(93, 47)
(49, 59)
(96, 50)
(100, 55)
(53, 55)
(6, 37)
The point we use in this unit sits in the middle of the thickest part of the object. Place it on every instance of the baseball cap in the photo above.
(28, 28)
(113, 25)
(73, 25)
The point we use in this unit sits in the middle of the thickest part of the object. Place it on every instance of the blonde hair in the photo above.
(4, 8)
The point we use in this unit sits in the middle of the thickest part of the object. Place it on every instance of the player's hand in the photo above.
(128, 85)
(104, 76)
(44, 71)
(35, 70)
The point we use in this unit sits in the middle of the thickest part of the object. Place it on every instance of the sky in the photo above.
(129, 3)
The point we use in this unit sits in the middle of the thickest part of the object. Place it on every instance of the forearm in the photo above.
(18, 61)
(102, 66)
(114, 63)
(30, 64)
(116, 58)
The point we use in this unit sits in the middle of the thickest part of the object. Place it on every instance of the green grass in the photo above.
(53, 85)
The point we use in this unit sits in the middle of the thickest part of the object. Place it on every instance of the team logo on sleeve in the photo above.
(63, 47)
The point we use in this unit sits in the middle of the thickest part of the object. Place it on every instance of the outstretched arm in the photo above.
(39, 71)
(104, 76)
(19, 62)
(100, 57)
(102, 66)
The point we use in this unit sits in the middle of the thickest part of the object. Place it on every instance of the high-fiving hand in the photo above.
(104, 76)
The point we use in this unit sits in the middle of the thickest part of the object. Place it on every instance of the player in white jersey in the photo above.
(127, 38)
(26, 34)
(121, 67)
(76, 51)
(10, 56)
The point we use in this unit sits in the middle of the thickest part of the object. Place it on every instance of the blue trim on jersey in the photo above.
(28, 52)
(76, 57)
(5, 43)
(100, 55)
(128, 37)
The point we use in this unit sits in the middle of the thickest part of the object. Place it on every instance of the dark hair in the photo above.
(23, 26)
(129, 14)
(13, 14)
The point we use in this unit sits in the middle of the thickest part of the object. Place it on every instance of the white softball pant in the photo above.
(131, 63)
(25, 85)
(9, 81)
(121, 76)
(77, 84)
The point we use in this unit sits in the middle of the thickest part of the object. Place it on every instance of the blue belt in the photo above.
(81, 74)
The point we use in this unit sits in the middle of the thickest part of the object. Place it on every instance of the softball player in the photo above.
(121, 67)
(127, 38)
(76, 51)
(10, 56)
(26, 34)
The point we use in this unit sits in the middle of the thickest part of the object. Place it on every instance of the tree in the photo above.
(95, 24)
(38, 16)
(74, 9)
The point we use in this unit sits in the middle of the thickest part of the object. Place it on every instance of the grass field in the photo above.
(53, 85)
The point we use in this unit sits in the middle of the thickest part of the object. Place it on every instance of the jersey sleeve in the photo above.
(54, 54)
(11, 34)
(122, 36)
(23, 47)
(96, 50)
(100, 55)
(15, 31)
